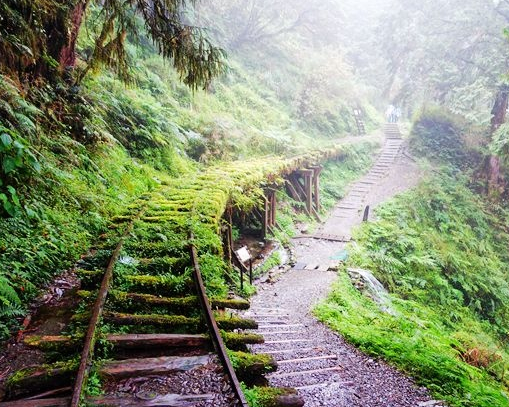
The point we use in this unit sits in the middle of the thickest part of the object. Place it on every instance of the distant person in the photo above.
(397, 114)
(389, 114)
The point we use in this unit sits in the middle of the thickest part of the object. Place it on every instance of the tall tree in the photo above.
(451, 53)
(38, 38)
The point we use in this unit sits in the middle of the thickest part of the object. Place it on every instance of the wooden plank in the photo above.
(288, 341)
(152, 366)
(292, 191)
(308, 185)
(127, 341)
(54, 402)
(307, 372)
(168, 400)
(155, 319)
(293, 350)
(308, 359)
(135, 341)
(279, 326)
(298, 186)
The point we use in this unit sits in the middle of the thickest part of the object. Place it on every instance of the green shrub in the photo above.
(441, 253)
(437, 134)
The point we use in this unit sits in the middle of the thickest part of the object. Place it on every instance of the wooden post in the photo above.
(298, 186)
(316, 186)
(273, 208)
(308, 184)
(307, 174)
(265, 220)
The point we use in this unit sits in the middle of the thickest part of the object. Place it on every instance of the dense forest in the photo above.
(104, 101)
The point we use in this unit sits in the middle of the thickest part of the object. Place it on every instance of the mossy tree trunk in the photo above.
(495, 182)
(67, 52)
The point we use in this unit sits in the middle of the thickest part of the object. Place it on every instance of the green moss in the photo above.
(440, 250)
(229, 323)
(229, 303)
(238, 341)
(251, 367)
(266, 396)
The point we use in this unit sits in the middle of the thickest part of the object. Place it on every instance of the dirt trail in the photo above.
(325, 369)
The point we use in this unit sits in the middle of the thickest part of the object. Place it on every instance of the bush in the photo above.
(437, 134)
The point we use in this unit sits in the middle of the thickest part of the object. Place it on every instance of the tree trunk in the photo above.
(67, 57)
(495, 178)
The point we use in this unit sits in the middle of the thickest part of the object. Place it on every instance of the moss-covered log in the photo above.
(236, 341)
(52, 343)
(134, 301)
(231, 304)
(160, 285)
(249, 367)
(34, 380)
(276, 397)
(229, 323)
(170, 321)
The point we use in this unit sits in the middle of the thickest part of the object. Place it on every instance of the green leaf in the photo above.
(9, 164)
(14, 195)
(6, 139)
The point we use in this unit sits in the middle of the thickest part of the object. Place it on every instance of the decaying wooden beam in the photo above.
(137, 341)
(54, 402)
(168, 400)
(152, 366)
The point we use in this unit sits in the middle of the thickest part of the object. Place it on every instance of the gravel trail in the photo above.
(325, 369)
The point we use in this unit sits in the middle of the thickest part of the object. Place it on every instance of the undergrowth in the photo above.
(440, 251)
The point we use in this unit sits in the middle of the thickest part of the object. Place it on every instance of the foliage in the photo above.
(439, 251)
(464, 72)
(186, 47)
(38, 38)
(72, 157)
(438, 134)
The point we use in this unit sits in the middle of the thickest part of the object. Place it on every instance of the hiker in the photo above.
(397, 114)
(389, 114)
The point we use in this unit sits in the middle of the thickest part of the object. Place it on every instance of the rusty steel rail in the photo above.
(90, 339)
(212, 325)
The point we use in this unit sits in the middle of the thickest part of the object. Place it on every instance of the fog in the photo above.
(407, 52)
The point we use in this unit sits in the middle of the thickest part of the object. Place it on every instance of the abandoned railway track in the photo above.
(153, 319)
(184, 335)
(143, 331)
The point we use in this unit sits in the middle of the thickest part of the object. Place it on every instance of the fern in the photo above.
(8, 295)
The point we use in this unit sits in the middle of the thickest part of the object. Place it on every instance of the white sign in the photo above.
(243, 254)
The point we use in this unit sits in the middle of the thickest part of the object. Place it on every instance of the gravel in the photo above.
(357, 379)
(208, 380)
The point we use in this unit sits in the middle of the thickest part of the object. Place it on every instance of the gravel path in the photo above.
(325, 369)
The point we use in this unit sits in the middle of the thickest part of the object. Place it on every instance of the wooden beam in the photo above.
(308, 185)
(121, 369)
(141, 341)
(273, 204)
(294, 178)
(316, 186)
(291, 190)
(167, 400)
(54, 402)
(265, 219)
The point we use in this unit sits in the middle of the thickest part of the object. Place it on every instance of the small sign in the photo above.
(243, 254)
